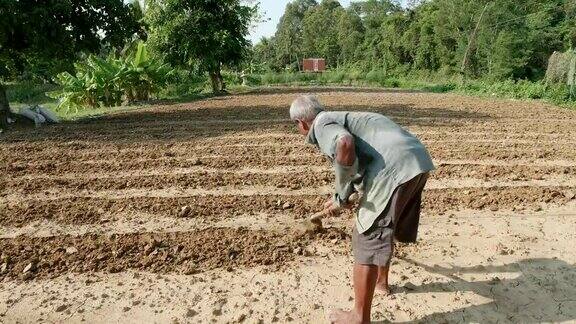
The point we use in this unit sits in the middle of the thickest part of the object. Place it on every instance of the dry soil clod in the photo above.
(185, 211)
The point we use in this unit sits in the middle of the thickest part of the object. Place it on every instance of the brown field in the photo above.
(91, 211)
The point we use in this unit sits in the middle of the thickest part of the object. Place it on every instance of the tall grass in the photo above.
(443, 81)
(30, 93)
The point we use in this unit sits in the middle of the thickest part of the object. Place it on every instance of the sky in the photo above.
(273, 10)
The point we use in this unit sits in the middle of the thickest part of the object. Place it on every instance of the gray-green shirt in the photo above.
(387, 156)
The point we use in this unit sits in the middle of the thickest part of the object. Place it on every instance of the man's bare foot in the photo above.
(383, 288)
(339, 316)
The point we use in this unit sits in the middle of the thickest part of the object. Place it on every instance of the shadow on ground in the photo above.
(542, 290)
(185, 122)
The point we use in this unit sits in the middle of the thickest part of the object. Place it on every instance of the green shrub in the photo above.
(231, 78)
(29, 92)
(441, 88)
(336, 76)
(182, 84)
(254, 79)
(376, 77)
(355, 75)
(305, 77)
(102, 82)
(268, 78)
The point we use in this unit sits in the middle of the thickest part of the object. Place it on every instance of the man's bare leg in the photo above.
(364, 284)
(382, 281)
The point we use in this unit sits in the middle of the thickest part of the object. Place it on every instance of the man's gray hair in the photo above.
(305, 108)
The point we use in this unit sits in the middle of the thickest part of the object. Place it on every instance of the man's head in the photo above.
(303, 111)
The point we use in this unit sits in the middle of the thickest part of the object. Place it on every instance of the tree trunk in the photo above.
(221, 81)
(217, 81)
(4, 107)
(471, 45)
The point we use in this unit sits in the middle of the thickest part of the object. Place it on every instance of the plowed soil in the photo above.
(233, 181)
(186, 253)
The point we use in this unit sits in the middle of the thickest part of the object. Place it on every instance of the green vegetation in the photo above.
(483, 39)
(107, 82)
(40, 40)
(521, 89)
(200, 36)
(483, 47)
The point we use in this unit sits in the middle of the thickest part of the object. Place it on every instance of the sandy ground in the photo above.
(91, 228)
(469, 267)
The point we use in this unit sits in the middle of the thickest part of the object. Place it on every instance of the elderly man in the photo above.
(390, 167)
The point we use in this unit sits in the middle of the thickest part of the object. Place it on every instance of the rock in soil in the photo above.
(185, 211)
(30, 267)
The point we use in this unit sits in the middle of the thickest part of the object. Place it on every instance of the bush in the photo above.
(355, 75)
(269, 78)
(231, 78)
(305, 77)
(336, 76)
(102, 82)
(182, 84)
(441, 88)
(254, 79)
(29, 92)
(376, 77)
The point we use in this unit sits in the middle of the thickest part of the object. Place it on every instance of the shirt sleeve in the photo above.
(327, 134)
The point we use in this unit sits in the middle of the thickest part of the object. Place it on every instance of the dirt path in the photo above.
(92, 230)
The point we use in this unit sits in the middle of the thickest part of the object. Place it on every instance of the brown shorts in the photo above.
(399, 220)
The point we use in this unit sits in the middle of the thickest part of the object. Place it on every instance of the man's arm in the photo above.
(338, 143)
(346, 168)
(345, 150)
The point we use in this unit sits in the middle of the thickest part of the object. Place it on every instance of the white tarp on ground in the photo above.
(48, 114)
(39, 115)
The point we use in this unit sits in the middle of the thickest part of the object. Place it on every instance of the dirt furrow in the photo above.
(446, 176)
(443, 171)
(83, 210)
(496, 198)
(90, 209)
(186, 150)
(253, 157)
(503, 172)
(246, 172)
(55, 167)
(182, 252)
(204, 180)
(272, 138)
(103, 132)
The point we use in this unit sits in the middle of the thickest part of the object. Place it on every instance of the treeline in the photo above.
(498, 39)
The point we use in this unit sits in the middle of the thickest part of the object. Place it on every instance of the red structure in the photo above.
(314, 65)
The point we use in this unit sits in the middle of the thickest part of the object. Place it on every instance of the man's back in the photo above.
(380, 143)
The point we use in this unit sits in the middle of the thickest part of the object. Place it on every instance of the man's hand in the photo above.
(333, 209)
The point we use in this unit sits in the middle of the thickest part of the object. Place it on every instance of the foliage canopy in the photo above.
(200, 34)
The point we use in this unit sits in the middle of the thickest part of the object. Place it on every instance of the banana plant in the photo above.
(106, 82)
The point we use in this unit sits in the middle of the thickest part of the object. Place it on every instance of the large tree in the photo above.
(42, 38)
(288, 39)
(320, 36)
(200, 33)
